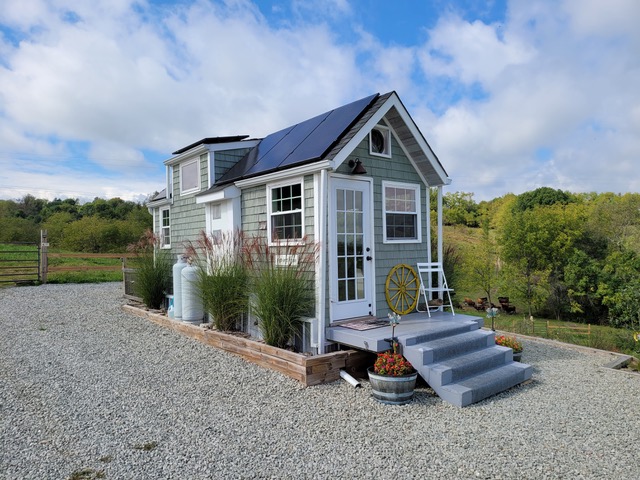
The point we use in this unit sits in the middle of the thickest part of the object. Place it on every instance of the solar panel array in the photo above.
(301, 143)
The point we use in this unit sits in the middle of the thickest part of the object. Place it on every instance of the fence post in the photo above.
(44, 260)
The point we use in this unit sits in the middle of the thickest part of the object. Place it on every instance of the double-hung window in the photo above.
(165, 228)
(401, 212)
(285, 212)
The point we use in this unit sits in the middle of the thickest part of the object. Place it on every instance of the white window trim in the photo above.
(162, 227)
(284, 183)
(386, 132)
(406, 186)
(182, 166)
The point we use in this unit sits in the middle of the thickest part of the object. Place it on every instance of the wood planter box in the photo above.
(309, 371)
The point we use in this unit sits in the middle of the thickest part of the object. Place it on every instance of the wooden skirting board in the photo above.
(308, 370)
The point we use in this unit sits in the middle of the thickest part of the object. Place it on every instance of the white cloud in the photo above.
(547, 97)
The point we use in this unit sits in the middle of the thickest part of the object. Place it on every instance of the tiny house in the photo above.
(356, 180)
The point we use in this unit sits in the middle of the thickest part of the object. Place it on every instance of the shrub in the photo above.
(153, 270)
(510, 342)
(222, 277)
(282, 280)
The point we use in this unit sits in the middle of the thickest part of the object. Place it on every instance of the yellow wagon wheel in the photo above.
(402, 289)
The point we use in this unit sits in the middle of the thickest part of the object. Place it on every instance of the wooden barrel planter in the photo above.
(392, 390)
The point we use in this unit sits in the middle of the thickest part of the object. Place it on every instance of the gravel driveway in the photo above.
(90, 391)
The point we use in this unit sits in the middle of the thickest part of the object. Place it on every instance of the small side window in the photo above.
(165, 228)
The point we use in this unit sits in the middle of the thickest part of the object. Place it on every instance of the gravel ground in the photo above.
(87, 391)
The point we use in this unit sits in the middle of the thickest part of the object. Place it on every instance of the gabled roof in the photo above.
(333, 136)
(210, 141)
(298, 144)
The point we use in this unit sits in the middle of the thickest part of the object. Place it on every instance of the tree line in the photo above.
(100, 226)
(558, 254)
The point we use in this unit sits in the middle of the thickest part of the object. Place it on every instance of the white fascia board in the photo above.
(363, 132)
(199, 150)
(284, 174)
(392, 101)
(417, 134)
(216, 147)
(210, 147)
(158, 203)
(225, 194)
(406, 154)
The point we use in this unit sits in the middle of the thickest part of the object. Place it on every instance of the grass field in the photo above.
(599, 336)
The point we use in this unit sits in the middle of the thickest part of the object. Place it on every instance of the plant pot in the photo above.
(392, 390)
(517, 356)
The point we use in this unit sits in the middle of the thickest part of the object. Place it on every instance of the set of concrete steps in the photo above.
(462, 362)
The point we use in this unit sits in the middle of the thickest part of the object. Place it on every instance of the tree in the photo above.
(543, 196)
(56, 225)
(482, 264)
(619, 288)
(458, 208)
(19, 230)
(536, 243)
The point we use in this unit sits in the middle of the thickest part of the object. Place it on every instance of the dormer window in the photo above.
(380, 142)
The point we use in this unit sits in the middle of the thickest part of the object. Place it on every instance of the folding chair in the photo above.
(426, 272)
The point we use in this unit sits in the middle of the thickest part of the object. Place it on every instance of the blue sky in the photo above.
(511, 95)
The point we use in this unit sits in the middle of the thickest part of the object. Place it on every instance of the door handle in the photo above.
(369, 258)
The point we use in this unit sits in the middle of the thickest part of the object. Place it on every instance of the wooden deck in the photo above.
(375, 340)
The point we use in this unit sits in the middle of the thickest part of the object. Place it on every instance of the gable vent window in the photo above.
(286, 212)
(380, 142)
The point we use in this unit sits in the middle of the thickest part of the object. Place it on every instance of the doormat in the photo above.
(364, 323)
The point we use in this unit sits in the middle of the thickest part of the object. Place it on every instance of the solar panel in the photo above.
(327, 132)
(305, 141)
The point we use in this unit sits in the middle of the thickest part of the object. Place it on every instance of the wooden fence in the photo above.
(571, 329)
(20, 263)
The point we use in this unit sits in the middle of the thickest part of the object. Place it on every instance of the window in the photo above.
(285, 212)
(380, 142)
(190, 177)
(401, 212)
(165, 228)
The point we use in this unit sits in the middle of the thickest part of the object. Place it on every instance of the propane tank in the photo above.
(177, 286)
(192, 308)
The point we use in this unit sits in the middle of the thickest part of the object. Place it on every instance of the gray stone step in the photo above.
(453, 346)
(458, 368)
(464, 367)
(440, 331)
(486, 384)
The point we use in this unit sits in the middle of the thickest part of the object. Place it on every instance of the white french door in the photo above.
(351, 249)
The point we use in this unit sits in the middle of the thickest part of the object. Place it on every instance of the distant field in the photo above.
(64, 266)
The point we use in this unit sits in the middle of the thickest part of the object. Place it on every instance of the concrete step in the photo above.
(458, 368)
(440, 331)
(481, 386)
(437, 350)
(464, 367)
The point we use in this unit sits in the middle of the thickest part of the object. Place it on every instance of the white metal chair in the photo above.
(427, 272)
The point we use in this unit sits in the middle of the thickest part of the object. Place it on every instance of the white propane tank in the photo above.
(177, 286)
(192, 309)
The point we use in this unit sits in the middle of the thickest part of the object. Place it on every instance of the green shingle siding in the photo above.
(398, 168)
(226, 159)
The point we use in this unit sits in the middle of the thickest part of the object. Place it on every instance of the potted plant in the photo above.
(512, 343)
(392, 377)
